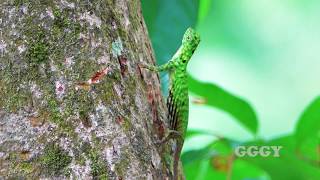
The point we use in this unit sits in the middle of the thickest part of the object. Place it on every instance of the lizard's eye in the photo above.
(184, 61)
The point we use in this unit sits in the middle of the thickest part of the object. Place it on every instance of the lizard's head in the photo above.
(191, 38)
(190, 42)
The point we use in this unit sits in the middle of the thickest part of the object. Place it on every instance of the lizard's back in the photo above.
(178, 101)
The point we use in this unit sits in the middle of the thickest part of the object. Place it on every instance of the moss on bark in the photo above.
(55, 160)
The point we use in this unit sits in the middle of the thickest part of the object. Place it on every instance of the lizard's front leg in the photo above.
(165, 67)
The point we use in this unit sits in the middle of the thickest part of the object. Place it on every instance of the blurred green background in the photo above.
(256, 69)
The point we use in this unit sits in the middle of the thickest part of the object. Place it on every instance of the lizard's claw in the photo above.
(142, 65)
(172, 134)
(158, 143)
(162, 141)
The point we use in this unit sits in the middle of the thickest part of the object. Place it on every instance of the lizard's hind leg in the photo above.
(172, 134)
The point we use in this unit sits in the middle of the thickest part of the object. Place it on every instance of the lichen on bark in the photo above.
(74, 103)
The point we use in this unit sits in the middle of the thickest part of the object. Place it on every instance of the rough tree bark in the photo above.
(73, 102)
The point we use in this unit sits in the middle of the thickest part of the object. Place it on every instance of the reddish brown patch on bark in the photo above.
(123, 65)
(98, 76)
(119, 120)
(36, 121)
(154, 110)
(157, 94)
(140, 71)
(24, 155)
(60, 88)
(150, 94)
(93, 80)
(84, 85)
(86, 122)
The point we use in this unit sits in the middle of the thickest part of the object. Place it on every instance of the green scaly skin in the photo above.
(178, 100)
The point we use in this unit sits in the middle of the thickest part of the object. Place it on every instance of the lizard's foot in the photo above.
(147, 66)
(158, 143)
(172, 134)
(142, 65)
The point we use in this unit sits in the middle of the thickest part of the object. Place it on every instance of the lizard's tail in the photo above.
(176, 160)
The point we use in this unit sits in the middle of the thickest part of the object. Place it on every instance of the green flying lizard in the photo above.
(178, 100)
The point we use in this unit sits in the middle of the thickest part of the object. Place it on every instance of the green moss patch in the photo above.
(38, 51)
(98, 168)
(55, 160)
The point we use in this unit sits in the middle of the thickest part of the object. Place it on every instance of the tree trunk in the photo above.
(74, 103)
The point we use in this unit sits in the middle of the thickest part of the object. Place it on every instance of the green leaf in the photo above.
(308, 125)
(196, 132)
(221, 147)
(196, 155)
(223, 100)
(197, 163)
(201, 170)
(308, 131)
(244, 170)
